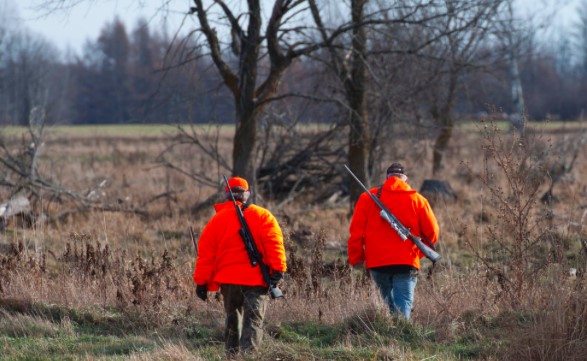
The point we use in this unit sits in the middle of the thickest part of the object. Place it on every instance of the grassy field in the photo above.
(165, 130)
(113, 283)
(130, 130)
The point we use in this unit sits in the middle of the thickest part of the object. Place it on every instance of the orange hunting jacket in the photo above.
(222, 257)
(372, 239)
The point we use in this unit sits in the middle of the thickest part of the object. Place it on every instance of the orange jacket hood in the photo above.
(222, 257)
(373, 241)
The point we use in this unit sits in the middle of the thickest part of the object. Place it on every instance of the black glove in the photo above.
(275, 277)
(202, 292)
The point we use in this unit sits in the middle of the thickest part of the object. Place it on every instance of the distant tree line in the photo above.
(144, 76)
(140, 76)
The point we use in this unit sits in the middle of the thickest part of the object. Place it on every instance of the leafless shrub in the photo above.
(520, 282)
(555, 331)
(19, 262)
(292, 159)
(559, 167)
(518, 243)
(90, 274)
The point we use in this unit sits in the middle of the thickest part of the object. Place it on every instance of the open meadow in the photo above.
(111, 279)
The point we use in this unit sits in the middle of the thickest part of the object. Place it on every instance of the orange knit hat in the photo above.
(235, 182)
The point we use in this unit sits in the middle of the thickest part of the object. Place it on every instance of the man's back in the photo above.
(372, 237)
(223, 258)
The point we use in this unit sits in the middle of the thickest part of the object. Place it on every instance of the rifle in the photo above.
(251, 248)
(402, 231)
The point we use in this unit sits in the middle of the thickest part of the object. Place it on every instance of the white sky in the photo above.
(71, 28)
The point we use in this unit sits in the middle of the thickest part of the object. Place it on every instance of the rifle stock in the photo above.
(403, 232)
(254, 255)
(428, 252)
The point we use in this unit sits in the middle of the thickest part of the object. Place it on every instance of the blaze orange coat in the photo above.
(373, 241)
(222, 257)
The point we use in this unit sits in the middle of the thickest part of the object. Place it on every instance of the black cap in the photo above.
(396, 168)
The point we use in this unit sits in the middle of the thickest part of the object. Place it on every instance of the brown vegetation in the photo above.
(506, 280)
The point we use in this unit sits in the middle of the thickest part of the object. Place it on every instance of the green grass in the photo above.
(504, 125)
(112, 130)
(310, 334)
(72, 347)
(157, 130)
(37, 332)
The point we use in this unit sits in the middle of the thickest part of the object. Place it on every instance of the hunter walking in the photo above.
(224, 263)
(392, 262)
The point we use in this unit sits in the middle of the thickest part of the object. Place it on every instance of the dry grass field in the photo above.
(114, 283)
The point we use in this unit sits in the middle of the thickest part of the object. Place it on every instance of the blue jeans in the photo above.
(397, 290)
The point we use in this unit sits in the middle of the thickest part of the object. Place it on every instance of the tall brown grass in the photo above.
(504, 279)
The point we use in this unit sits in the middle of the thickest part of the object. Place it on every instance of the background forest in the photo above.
(139, 73)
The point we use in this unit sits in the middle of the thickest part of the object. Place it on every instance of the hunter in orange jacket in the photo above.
(223, 263)
(373, 241)
(222, 257)
(392, 262)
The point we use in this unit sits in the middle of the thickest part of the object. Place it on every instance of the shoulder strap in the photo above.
(379, 191)
(378, 195)
(245, 206)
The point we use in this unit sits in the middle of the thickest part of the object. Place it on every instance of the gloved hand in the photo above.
(202, 292)
(275, 277)
(359, 265)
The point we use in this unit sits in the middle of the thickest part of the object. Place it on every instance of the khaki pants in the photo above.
(245, 309)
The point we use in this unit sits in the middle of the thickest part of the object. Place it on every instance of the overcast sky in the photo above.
(71, 28)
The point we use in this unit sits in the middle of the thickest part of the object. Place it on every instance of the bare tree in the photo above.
(351, 69)
(514, 30)
(250, 95)
(438, 41)
(518, 120)
(103, 77)
(582, 37)
(457, 54)
(28, 65)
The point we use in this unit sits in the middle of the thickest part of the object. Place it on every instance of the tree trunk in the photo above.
(245, 137)
(244, 145)
(250, 99)
(25, 107)
(444, 118)
(356, 96)
(441, 144)
(518, 119)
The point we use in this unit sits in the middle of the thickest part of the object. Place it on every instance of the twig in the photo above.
(193, 236)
